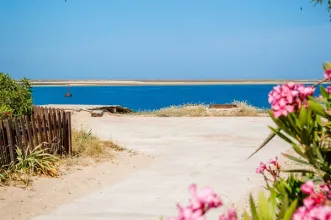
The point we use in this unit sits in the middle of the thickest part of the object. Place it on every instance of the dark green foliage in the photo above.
(290, 188)
(321, 2)
(15, 97)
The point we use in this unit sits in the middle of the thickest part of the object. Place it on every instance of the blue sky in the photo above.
(170, 39)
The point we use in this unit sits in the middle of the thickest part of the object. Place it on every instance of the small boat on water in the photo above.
(68, 94)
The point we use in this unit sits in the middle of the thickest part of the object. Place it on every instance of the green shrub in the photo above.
(289, 188)
(15, 97)
(5, 111)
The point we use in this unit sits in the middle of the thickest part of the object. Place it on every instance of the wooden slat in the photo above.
(18, 134)
(34, 130)
(45, 128)
(63, 131)
(59, 124)
(5, 143)
(2, 150)
(55, 124)
(48, 131)
(3, 132)
(29, 130)
(37, 111)
(24, 134)
(69, 134)
(8, 124)
(40, 129)
(50, 126)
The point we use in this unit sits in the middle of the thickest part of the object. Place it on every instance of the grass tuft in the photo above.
(36, 162)
(88, 149)
(201, 110)
(86, 144)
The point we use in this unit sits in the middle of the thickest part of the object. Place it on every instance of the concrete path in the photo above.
(206, 151)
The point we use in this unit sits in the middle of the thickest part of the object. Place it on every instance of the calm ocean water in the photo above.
(153, 97)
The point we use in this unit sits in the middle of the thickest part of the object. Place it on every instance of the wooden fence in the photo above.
(46, 126)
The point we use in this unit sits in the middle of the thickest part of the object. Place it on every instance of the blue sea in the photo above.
(140, 98)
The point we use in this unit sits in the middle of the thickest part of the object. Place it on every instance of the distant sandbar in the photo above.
(160, 82)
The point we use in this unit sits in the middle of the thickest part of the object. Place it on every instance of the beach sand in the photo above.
(172, 154)
(46, 194)
(206, 151)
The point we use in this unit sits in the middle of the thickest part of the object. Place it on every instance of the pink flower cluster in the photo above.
(327, 75)
(288, 98)
(202, 201)
(272, 167)
(314, 206)
(231, 215)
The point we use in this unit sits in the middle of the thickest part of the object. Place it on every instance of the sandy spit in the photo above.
(165, 82)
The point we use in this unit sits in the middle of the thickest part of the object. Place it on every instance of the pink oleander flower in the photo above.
(206, 197)
(288, 98)
(327, 74)
(315, 205)
(231, 215)
(308, 187)
(188, 213)
(271, 169)
(304, 92)
(314, 213)
(274, 161)
(324, 188)
(202, 201)
(328, 89)
(261, 168)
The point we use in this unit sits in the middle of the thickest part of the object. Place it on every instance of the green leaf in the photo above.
(295, 124)
(317, 108)
(297, 171)
(253, 207)
(283, 208)
(296, 159)
(264, 143)
(305, 137)
(272, 204)
(284, 124)
(319, 155)
(246, 216)
(290, 211)
(326, 66)
(298, 150)
(281, 135)
(303, 118)
(324, 93)
(263, 207)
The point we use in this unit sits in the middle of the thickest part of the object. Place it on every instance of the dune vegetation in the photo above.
(201, 110)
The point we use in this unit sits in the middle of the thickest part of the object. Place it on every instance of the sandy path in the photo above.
(206, 151)
(46, 194)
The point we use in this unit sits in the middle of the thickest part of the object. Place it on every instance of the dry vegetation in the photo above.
(87, 149)
(36, 162)
(191, 110)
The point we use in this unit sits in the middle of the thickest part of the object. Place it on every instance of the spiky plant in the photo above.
(35, 162)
